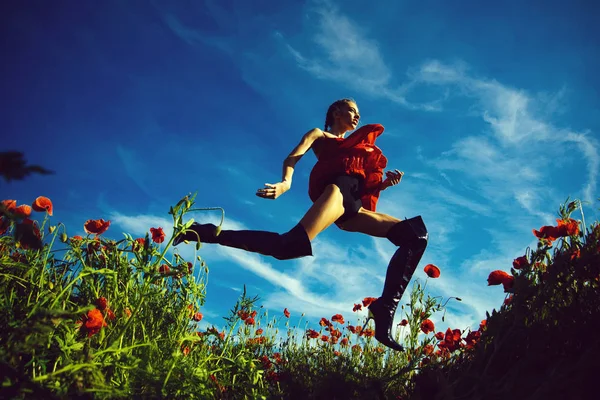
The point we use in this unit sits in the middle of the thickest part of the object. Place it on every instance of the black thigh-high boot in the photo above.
(292, 244)
(411, 237)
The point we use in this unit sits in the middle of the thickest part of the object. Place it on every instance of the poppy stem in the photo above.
(584, 230)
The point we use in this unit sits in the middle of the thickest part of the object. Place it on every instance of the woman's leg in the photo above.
(411, 237)
(292, 244)
(370, 223)
(324, 212)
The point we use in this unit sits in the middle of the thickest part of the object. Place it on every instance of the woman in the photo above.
(344, 186)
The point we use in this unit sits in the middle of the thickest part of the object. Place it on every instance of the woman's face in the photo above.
(348, 116)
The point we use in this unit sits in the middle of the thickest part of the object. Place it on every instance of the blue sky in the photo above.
(491, 110)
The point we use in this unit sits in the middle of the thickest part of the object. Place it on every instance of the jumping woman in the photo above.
(344, 186)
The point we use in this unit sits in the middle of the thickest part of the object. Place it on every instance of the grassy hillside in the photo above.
(90, 317)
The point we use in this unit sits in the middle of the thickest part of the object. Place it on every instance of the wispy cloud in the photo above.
(520, 137)
(345, 53)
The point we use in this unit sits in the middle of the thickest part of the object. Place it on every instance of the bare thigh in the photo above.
(324, 212)
(370, 222)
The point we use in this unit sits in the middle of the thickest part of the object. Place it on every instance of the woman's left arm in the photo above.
(392, 178)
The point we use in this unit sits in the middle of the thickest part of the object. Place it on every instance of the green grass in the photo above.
(99, 318)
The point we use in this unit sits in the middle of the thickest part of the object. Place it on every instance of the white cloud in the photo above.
(346, 54)
(139, 225)
(522, 138)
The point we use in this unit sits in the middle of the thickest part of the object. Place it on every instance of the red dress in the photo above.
(354, 155)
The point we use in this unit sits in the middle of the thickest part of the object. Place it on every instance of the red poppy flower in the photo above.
(110, 314)
(404, 322)
(9, 205)
(368, 300)
(508, 283)
(368, 332)
(547, 232)
(335, 333)
(158, 236)
(258, 332)
(93, 321)
(439, 336)
(338, 318)
(164, 269)
(472, 338)
(197, 316)
(497, 277)
(101, 303)
(427, 326)
(28, 234)
(42, 204)
(96, 226)
(351, 328)
(452, 340)
(520, 262)
(23, 211)
(427, 349)
(432, 271)
(575, 254)
(256, 340)
(243, 314)
(76, 239)
(249, 321)
(357, 307)
(138, 244)
(483, 324)
(325, 338)
(357, 348)
(569, 227)
(324, 322)
(266, 362)
(286, 313)
(344, 342)
(312, 334)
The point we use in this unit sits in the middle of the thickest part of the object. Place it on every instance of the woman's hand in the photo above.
(273, 191)
(392, 178)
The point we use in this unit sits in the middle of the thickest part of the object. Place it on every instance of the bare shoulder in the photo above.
(314, 133)
(312, 136)
(308, 139)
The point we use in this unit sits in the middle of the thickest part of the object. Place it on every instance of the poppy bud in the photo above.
(64, 237)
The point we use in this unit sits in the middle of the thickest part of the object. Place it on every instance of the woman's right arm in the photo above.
(272, 191)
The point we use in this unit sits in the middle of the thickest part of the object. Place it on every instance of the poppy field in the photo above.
(92, 317)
